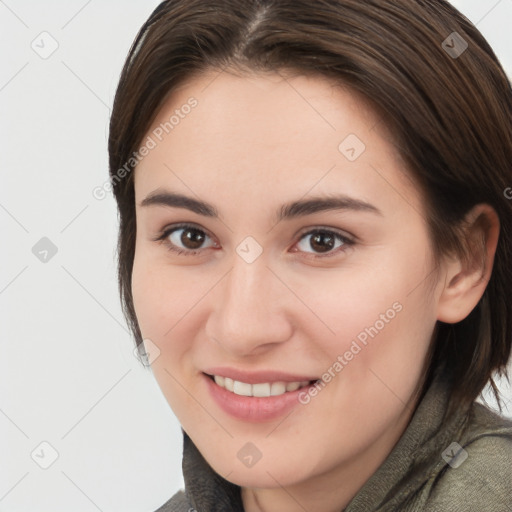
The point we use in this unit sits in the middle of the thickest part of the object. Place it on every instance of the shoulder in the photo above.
(477, 468)
(178, 503)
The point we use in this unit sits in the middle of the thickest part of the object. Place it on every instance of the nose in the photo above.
(250, 309)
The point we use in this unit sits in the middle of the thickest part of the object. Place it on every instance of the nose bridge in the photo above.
(246, 287)
(249, 309)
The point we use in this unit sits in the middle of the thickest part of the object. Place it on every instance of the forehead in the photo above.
(269, 133)
(267, 104)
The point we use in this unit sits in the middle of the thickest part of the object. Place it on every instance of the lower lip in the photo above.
(250, 408)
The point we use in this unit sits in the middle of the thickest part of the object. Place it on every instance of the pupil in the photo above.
(192, 236)
(321, 238)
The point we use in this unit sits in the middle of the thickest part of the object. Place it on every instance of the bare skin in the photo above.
(251, 145)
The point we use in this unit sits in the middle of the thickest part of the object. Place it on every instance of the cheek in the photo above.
(161, 301)
(391, 347)
(364, 304)
(157, 303)
(147, 299)
(381, 324)
(167, 302)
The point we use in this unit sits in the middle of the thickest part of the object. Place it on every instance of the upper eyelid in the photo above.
(169, 229)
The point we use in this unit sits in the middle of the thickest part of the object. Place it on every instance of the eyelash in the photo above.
(163, 238)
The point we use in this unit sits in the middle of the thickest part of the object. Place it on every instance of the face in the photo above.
(274, 284)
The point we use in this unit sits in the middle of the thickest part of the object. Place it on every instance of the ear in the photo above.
(467, 278)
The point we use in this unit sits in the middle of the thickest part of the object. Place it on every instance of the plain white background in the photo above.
(69, 378)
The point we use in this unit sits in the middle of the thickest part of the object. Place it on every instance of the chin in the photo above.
(266, 475)
(253, 478)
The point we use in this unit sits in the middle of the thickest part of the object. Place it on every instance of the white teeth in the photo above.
(277, 388)
(228, 384)
(292, 386)
(242, 388)
(264, 389)
(261, 389)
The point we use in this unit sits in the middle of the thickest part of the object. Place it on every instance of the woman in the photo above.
(315, 239)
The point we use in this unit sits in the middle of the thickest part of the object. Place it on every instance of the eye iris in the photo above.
(193, 236)
(318, 239)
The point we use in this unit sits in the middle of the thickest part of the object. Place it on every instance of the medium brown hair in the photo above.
(449, 115)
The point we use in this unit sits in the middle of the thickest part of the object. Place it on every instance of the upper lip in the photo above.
(255, 377)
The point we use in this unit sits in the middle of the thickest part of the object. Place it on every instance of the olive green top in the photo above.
(463, 465)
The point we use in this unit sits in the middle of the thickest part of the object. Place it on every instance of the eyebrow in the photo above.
(287, 211)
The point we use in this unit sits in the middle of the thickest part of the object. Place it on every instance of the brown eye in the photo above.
(191, 238)
(188, 240)
(184, 239)
(323, 241)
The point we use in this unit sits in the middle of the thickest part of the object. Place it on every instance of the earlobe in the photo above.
(466, 278)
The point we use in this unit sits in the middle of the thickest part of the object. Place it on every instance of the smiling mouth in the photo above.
(262, 389)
